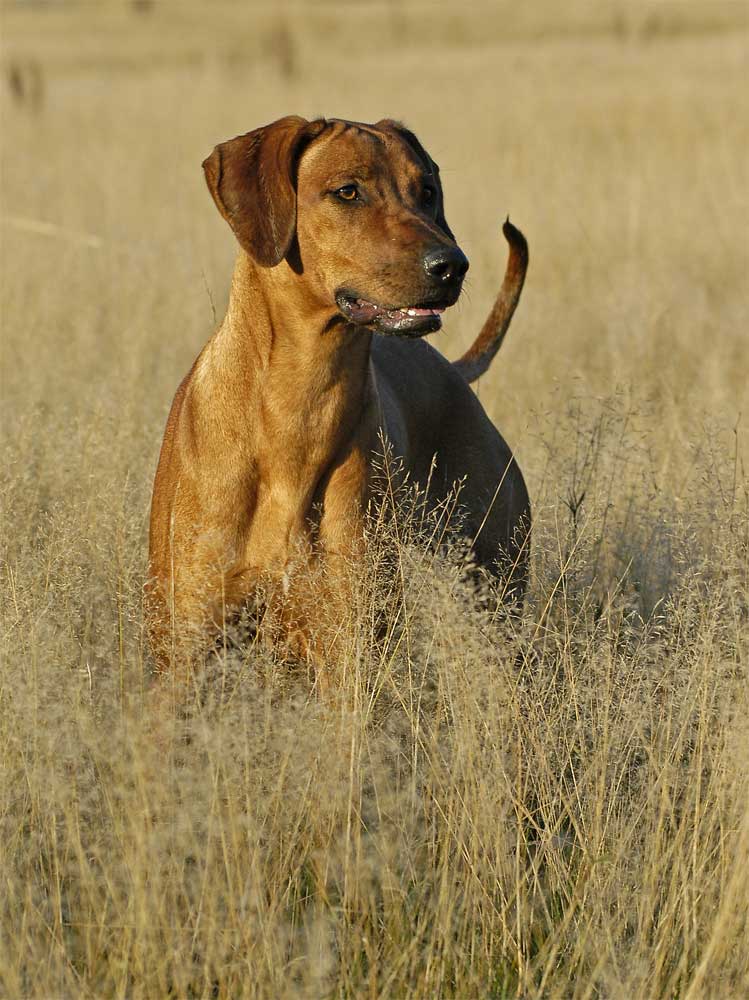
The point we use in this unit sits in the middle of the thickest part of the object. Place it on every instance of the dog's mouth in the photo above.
(404, 321)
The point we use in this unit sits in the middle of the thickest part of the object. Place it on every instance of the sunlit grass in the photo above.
(555, 806)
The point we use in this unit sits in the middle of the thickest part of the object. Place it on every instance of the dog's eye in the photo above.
(349, 192)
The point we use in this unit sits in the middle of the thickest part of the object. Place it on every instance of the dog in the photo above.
(345, 262)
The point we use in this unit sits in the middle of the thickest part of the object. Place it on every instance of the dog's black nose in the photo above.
(446, 264)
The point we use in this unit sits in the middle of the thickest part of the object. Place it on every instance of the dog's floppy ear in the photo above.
(253, 181)
(388, 125)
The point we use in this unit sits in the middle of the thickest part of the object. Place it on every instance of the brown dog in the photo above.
(345, 261)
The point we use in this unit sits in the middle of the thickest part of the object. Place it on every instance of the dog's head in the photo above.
(356, 209)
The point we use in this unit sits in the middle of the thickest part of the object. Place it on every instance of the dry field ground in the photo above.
(560, 812)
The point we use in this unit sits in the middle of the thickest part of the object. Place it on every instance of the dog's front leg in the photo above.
(329, 595)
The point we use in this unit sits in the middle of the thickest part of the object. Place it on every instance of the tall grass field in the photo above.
(552, 808)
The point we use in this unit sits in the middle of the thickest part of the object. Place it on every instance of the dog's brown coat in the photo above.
(267, 456)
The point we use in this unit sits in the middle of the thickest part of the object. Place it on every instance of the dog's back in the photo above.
(436, 423)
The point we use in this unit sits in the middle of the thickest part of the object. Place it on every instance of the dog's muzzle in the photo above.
(444, 267)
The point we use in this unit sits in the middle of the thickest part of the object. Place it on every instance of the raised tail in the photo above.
(481, 353)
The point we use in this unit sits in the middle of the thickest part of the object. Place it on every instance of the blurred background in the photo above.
(614, 133)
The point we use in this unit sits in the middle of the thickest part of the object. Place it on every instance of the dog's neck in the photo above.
(302, 376)
(275, 306)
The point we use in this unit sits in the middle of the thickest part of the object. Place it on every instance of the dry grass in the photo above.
(557, 812)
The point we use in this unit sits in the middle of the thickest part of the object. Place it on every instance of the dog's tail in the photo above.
(481, 353)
